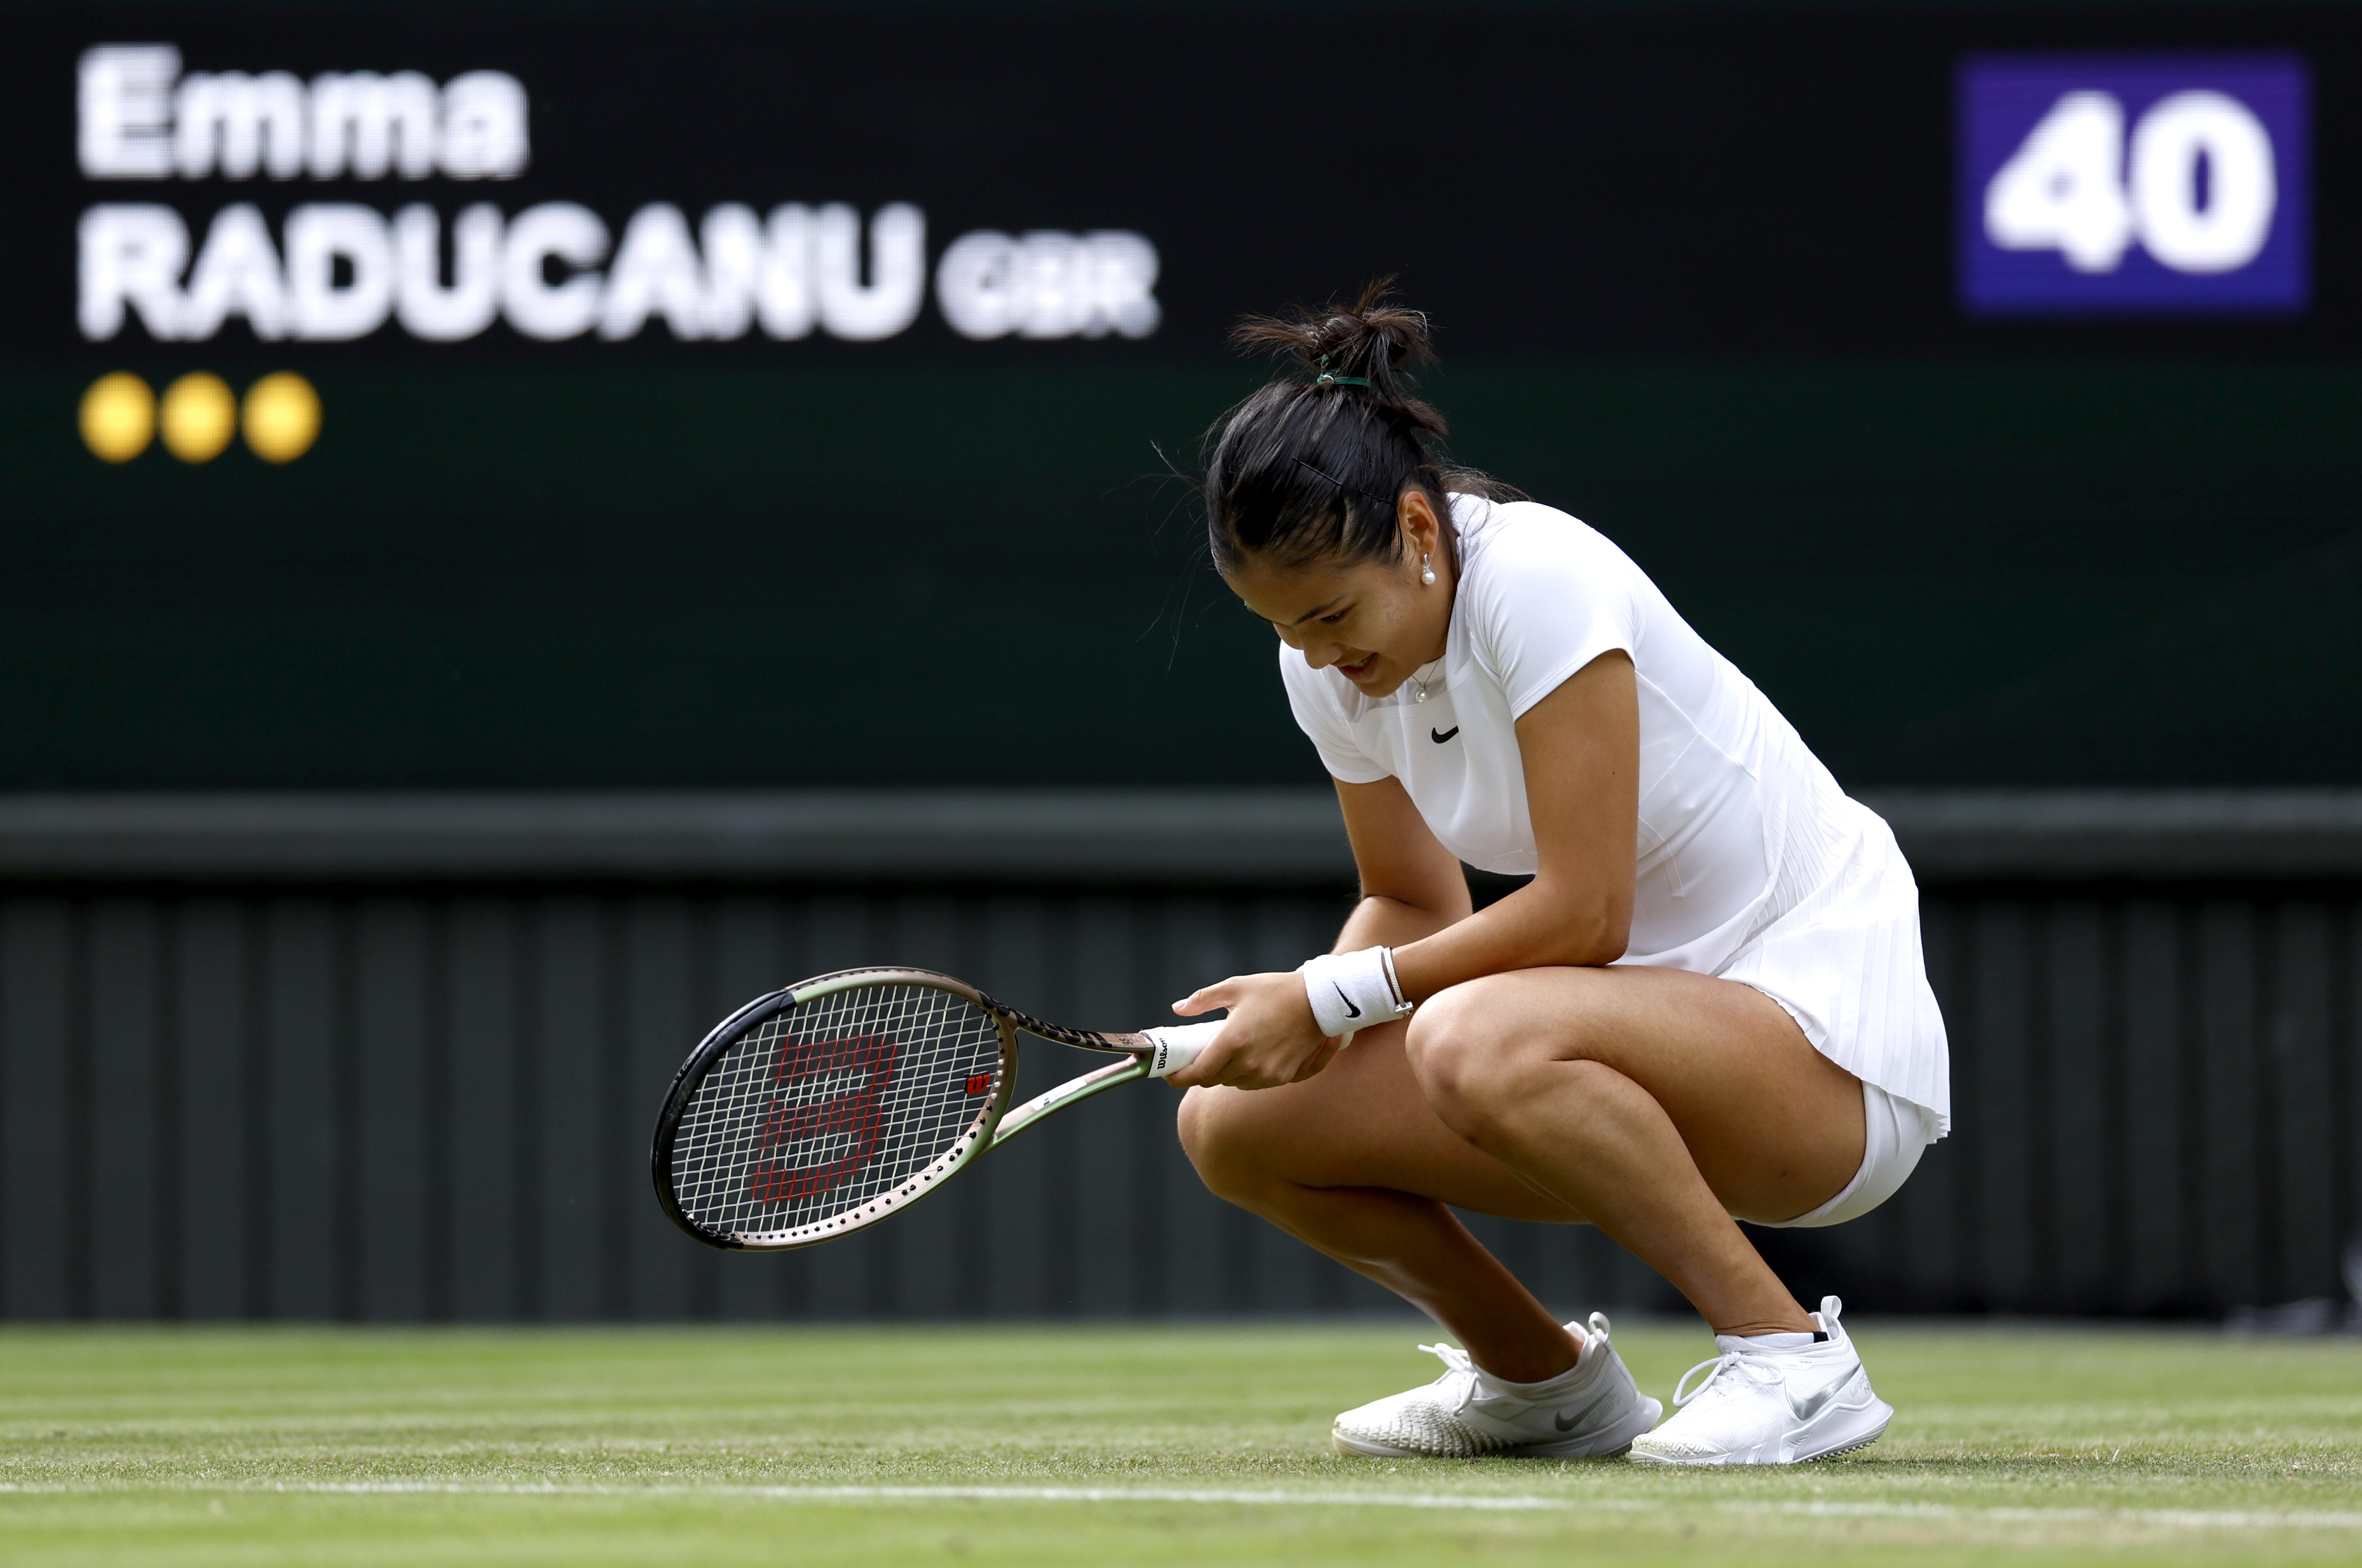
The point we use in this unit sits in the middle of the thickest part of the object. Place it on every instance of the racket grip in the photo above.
(1178, 1045)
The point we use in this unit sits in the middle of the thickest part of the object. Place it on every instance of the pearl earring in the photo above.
(1426, 572)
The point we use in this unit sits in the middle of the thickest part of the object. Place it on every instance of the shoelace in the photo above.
(1459, 1372)
(1752, 1366)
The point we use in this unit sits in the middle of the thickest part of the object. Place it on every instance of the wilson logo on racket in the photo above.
(797, 1120)
(822, 1122)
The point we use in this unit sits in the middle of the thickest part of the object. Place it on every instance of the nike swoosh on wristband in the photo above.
(1350, 1010)
(1446, 735)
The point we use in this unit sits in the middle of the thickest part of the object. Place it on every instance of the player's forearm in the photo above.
(1538, 926)
(1380, 921)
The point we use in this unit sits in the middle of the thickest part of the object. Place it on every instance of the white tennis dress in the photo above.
(1754, 865)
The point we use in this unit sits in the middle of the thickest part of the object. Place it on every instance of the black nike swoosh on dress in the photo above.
(1446, 735)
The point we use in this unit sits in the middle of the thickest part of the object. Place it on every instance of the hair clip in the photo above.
(1325, 380)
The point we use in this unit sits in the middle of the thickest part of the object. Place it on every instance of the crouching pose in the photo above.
(1708, 1005)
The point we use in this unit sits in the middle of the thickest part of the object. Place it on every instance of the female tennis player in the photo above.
(1708, 1005)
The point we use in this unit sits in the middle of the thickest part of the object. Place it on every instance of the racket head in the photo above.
(828, 1106)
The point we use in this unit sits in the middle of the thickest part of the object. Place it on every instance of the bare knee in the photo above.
(1228, 1143)
(1474, 1071)
(1457, 1056)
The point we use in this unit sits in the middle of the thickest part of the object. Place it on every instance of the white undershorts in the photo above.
(1895, 1133)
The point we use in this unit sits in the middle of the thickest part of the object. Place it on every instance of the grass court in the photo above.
(266, 1446)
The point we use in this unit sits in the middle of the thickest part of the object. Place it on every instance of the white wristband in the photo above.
(1349, 991)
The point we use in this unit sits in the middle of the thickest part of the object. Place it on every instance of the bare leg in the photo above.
(1355, 1163)
(1397, 1233)
(1658, 1104)
(1652, 1103)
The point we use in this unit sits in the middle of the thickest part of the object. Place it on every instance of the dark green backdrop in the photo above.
(1963, 571)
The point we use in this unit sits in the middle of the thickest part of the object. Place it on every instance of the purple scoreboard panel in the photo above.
(2158, 185)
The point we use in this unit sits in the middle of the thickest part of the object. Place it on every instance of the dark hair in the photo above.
(1313, 468)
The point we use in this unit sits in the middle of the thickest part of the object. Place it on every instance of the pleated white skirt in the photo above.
(1845, 959)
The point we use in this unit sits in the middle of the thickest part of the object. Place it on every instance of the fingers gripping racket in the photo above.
(829, 1106)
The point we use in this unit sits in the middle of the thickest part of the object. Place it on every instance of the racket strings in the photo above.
(832, 1106)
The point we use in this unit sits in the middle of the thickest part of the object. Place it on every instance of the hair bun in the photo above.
(1368, 339)
(1316, 466)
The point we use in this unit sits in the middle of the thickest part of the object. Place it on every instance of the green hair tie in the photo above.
(1326, 379)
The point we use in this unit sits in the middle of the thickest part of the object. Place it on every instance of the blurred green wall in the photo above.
(1945, 571)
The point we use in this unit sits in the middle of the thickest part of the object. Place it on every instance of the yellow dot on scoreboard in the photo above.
(119, 417)
(200, 416)
(282, 417)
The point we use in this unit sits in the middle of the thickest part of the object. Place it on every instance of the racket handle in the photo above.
(1178, 1045)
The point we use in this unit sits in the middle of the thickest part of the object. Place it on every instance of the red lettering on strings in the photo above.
(853, 1074)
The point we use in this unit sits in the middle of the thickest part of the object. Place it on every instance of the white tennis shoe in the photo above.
(1591, 1410)
(1762, 1405)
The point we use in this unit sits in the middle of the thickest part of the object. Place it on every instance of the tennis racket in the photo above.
(822, 1108)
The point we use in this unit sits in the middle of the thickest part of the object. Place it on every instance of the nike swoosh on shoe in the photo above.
(1567, 1424)
(1812, 1405)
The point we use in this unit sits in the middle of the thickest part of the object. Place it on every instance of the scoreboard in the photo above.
(2167, 185)
(782, 395)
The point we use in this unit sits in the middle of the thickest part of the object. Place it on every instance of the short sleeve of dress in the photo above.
(1550, 596)
(1323, 722)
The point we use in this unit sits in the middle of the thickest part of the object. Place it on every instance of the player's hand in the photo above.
(1270, 1037)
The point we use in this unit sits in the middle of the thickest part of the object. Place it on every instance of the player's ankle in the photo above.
(1529, 1366)
(1796, 1323)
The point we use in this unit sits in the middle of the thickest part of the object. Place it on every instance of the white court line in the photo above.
(2170, 1518)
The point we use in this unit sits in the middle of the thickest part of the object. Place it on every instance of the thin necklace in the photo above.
(1421, 681)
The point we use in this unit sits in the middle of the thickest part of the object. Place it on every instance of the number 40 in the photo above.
(2200, 197)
